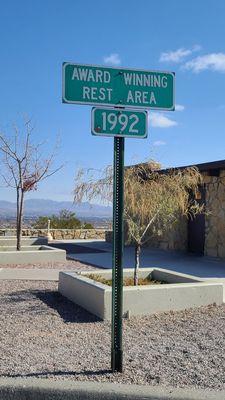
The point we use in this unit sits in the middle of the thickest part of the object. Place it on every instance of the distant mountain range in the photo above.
(41, 207)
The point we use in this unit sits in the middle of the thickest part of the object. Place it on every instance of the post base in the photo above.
(117, 360)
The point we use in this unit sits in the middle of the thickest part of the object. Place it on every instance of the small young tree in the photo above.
(23, 167)
(153, 201)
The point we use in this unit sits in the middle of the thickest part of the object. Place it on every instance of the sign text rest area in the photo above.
(96, 85)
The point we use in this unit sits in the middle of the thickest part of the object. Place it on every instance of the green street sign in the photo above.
(97, 85)
(118, 122)
(119, 88)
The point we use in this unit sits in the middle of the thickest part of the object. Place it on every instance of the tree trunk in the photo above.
(20, 221)
(137, 263)
(17, 218)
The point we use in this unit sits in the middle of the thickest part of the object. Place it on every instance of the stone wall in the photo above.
(177, 237)
(109, 236)
(61, 233)
(174, 239)
(215, 220)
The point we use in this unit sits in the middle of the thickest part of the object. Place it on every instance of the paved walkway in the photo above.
(204, 267)
(177, 261)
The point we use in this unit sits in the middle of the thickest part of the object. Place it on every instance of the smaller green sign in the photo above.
(119, 122)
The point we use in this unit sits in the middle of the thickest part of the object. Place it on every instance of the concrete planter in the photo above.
(181, 292)
(25, 241)
(31, 255)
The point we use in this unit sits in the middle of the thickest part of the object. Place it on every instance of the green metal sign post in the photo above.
(117, 286)
(119, 123)
(118, 88)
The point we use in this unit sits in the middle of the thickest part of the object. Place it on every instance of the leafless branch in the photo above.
(24, 166)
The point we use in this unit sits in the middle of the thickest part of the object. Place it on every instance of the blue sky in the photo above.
(185, 37)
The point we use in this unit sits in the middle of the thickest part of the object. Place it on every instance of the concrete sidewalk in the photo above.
(203, 267)
(47, 389)
(177, 261)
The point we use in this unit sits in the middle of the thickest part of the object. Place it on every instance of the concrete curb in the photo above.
(34, 274)
(43, 389)
(25, 241)
(181, 292)
(31, 254)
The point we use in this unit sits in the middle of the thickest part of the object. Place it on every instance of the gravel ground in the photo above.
(67, 265)
(45, 335)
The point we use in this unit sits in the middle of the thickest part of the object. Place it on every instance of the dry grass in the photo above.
(128, 281)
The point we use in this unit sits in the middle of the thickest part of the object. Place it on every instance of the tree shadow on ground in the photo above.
(44, 302)
(58, 373)
(77, 249)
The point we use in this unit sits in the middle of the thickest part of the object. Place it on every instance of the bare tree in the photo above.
(23, 167)
(154, 201)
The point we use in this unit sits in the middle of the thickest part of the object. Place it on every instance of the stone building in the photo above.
(204, 235)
